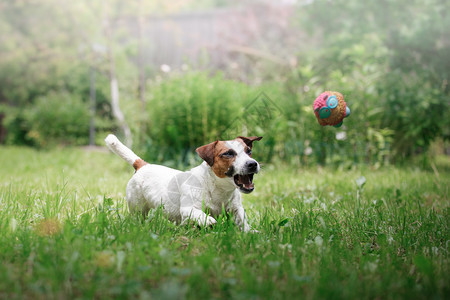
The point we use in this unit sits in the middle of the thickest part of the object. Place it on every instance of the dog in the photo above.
(197, 195)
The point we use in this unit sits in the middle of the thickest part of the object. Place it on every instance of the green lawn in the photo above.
(66, 233)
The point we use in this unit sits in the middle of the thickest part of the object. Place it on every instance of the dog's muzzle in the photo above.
(245, 181)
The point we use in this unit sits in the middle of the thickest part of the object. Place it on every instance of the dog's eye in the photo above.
(228, 154)
(248, 151)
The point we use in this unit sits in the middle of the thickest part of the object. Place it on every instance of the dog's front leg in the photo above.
(189, 212)
(240, 217)
(192, 214)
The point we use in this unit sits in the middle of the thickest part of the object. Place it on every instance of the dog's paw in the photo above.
(210, 221)
(205, 222)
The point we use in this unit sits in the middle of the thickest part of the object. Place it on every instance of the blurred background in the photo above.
(168, 76)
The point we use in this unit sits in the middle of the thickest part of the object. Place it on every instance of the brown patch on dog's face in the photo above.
(223, 159)
(139, 163)
(218, 156)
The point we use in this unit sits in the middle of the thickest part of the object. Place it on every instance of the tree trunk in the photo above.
(92, 108)
(141, 63)
(141, 68)
(115, 107)
(117, 113)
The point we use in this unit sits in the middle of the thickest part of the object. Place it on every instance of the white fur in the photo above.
(120, 149)
(185, 196)
(242, 158)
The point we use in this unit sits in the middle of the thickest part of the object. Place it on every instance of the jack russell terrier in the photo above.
(228, 168)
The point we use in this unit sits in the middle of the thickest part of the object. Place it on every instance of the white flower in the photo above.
(165, 68)
(308, 151)
(341, 135)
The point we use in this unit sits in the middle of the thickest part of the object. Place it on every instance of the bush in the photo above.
(416, 111)
(57, 118)
(191, 109)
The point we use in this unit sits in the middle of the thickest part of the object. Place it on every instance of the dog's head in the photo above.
(232, 159)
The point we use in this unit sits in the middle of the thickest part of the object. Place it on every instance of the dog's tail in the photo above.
(123, 151)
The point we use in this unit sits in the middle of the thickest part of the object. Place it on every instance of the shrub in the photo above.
(190, 109)
(57, 118)
(416, 110)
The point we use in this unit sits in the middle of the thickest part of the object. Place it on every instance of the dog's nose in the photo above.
(251, 166)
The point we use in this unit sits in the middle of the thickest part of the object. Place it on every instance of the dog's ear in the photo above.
(206, 152)
(249, 140)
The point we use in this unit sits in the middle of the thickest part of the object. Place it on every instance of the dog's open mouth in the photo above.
(244, 182)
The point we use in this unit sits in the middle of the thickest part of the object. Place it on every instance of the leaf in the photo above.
(283, 222)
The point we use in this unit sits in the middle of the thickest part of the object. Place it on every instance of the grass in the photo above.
(323, 233)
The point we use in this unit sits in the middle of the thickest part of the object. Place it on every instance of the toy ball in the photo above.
(331, 109)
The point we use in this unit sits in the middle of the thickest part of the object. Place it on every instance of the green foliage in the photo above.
(44, 59)
(55, 118)
(190, 109)
(416, 110)
(36, 56)
(392, 58)
(323, 233)
(353, 71)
